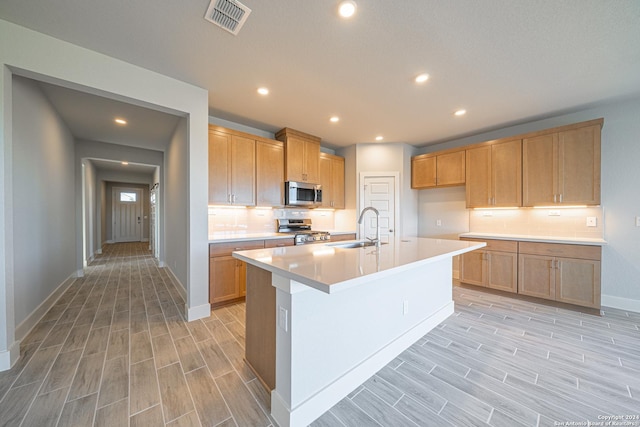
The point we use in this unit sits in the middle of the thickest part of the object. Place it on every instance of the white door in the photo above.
(127, 214)
(379, 192)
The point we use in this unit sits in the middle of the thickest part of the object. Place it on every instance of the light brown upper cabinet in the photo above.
(332, 181)
(232, 169)
(301, 155)
(494, 175)
(563, 168)
(438, 170)
(269, 173)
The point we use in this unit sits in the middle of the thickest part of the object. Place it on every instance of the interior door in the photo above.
(127, 214)
(379, 192)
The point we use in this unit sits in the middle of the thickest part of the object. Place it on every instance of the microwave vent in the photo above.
(229, 15)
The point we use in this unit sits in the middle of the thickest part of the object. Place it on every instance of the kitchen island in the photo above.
(322, 319)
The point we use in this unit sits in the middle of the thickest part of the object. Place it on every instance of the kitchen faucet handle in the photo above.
(371, 239)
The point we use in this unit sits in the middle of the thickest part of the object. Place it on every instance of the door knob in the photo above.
(390, 230)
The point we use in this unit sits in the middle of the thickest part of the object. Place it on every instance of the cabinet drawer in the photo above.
(342, 237)
(277, 243)
(496, 245)
(561, 250)
(221, 249)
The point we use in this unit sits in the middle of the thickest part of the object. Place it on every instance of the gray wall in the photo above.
(620, 197)
(44, 249)
(176, 204)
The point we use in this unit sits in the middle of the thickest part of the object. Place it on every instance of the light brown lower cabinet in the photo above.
(559, 272)
(343, 237)
(495, 266)
(565, 273)
(228, 275)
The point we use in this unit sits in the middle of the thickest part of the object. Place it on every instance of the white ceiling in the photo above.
(91, 117)
(504, 61)
(131, 168)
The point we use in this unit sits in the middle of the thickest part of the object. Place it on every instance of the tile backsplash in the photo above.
(258, 220)
(557, 222)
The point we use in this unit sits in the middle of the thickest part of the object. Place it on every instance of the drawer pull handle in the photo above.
(237, 249)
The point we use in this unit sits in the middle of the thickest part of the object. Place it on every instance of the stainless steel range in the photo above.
(301, 229)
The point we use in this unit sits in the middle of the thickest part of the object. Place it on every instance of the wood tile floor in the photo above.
(115, 351)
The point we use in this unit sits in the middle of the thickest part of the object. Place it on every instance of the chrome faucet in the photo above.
(375, 211)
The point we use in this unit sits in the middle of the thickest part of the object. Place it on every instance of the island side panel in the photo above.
(260, 346)
(334, 342)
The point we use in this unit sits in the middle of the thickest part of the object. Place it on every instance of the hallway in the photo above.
(116, 351)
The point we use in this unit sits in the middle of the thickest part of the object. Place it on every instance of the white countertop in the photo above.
(330, 268)
(542, 239)
(237, 236)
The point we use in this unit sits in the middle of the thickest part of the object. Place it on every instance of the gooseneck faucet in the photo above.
(375, 211)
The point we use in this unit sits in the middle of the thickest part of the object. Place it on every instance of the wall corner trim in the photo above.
(9, 357)
(620, 303)
(198, 312)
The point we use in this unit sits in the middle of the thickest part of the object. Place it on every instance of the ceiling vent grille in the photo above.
(227, 14)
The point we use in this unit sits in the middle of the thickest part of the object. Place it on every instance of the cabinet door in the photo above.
(506, 173)
(502, 271)
(312, 162)
(243, 170)
(269, 173)
(536, 276)
(578, 282)
(450, 169)
(295, 159)
(579, 166)
(337, 171)
(423, 172)
(241, 269)
(478, 170)
(326, 180)
(219, 167)
(473, 268)
(223, 279)
(538, 170)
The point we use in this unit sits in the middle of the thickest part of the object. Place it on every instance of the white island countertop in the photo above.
(330, 268)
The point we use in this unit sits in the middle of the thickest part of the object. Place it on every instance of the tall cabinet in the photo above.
(232, 169)
(494, 175)
(332, 181)
(563, 167)
(302, 155)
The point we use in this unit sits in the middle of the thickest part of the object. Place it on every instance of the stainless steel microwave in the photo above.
(302, 194)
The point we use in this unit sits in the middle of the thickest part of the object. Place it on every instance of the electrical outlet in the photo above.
(438, 222)
(405, 307)
(554, 213)
(638, 221)
(283, 320)
(487, 213)
(592, 221)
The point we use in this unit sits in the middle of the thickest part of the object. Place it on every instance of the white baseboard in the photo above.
(109, 242)
(99, 251)
(23, 329)
(627, 304)
(9, 357)
(177, 284)
(145, 239)
(198, 312)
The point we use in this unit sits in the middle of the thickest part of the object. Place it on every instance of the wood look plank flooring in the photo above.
(115, 350)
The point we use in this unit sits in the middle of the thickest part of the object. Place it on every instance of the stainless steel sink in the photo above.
(358, 244)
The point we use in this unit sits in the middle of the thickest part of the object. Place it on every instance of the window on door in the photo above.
(128, 197)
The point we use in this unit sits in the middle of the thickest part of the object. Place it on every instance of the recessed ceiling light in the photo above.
(460, 113)
(347, 8)
(120, 121)
(125, 163)
(379, 138)
(334, 119)
(263, 91)
(422, 78)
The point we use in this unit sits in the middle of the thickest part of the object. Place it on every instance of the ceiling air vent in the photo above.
(227, 14)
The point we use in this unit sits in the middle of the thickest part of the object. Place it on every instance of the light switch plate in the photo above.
(638, 221)
(283, 321)
(592, 221)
